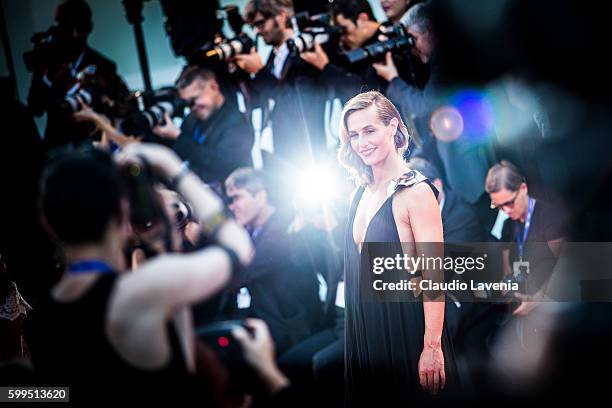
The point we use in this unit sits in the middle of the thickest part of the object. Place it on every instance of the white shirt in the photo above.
(279, 60)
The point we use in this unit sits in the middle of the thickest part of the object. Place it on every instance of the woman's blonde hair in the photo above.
(385, 110)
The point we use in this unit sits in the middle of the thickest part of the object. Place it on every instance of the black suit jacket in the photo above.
(459, 220)
(298, 116)
(271, 283)
(217, 146)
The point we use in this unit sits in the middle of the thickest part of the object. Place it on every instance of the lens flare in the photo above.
(446, 124)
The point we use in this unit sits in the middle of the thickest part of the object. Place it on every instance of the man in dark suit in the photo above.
(215, 137)
(287, 88)
(55, 74)
(269, 288)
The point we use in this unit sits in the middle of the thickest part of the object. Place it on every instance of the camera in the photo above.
(151, 110)
(221, 49)
(311, 30)
(224, 51)
(218, 336)
(398, 42)
(44, 51)
(86, 88)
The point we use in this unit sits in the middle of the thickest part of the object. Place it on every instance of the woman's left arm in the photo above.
(421, 213)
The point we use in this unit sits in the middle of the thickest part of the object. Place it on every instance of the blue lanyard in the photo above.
(521, 242)
(197, 136)
(90, 265)
(255, 232)
(75, 67)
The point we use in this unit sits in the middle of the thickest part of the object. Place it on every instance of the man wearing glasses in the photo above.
(535, 226)
(215, 138)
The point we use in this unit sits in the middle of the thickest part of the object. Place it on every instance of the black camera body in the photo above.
(310, 30)
(150, 109)
(218, 336)
(398, 42)
(44, 52)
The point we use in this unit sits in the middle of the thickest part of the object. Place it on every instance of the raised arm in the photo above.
(174, 280)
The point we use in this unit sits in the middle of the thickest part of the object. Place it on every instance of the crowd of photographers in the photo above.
(156, 259)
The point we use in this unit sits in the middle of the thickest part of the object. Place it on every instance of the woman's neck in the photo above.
(392, 167)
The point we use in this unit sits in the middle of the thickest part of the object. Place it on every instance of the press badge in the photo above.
(244, 298)
(520, 267)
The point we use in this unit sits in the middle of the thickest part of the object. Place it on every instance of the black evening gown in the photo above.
(384, 340)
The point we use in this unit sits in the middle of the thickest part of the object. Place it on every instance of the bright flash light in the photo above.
(447, 124)
(315, 187)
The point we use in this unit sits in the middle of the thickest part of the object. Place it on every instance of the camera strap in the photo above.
(89, 265)
(521, 240)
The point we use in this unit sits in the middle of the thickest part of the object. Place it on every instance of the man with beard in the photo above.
(286, 87)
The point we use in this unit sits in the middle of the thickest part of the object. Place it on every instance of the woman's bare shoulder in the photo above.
(415, 195)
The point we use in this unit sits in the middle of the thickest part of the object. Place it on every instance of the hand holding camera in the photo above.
(317, 57)
(387, 70)
(258, 350)
(167, 130)
(162, 159)
(250, 63)
(528, 303)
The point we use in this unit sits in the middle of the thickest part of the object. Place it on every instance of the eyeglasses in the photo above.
(509, 203)
(258, 24)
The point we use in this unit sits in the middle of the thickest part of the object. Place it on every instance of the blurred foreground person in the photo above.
(99, 322)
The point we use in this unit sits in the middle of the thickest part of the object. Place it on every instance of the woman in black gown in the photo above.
(395, 350)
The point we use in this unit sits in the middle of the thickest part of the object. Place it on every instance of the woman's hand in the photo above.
(162, 158)
(431, 369)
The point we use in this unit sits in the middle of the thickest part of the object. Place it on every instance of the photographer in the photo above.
(59, 56)
(269, 288)
(347, 74)
(215, 137)
(417, 102)
(98, 319)
(360, 28)
(286, 87)
(536, 226)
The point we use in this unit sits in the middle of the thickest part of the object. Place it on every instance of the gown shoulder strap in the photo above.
(413, 177)
(356, 198)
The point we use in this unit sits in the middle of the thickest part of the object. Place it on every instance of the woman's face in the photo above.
(370, 139)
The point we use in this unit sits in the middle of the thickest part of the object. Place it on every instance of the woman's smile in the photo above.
(367, 152)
